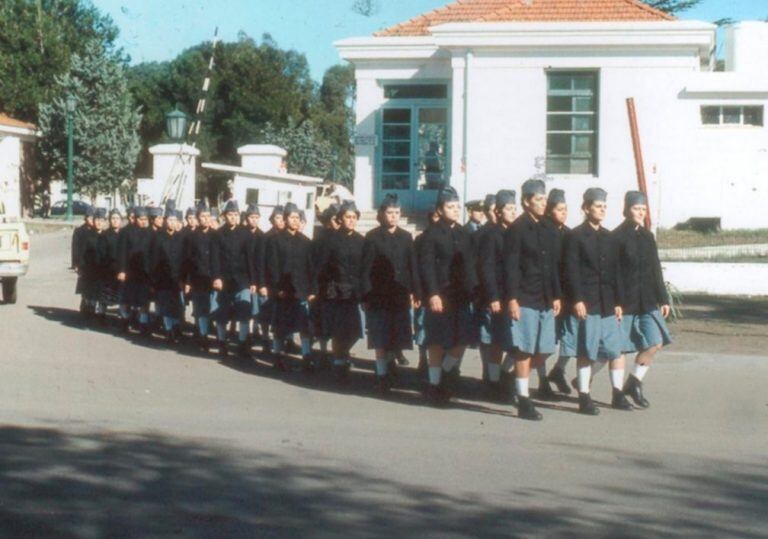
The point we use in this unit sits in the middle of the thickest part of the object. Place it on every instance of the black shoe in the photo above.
(586, 405)
(451, 381)
(244, 350)
(633, 388)
(497, 392)
(306, 363)
(202, 343)
(557, 377)
(423, 365)
(169, 337)
(222, 346)
(124, 325)
(545, 392)
(508, 382)
(324, 363)
(177, 335)
(526, 410)
(290, 347)
(435, 396)
(340, 372)
(145, 330)
(619, 401)
(279, 364)
(383, 384)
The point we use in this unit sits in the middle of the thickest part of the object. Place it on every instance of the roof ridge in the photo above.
(417, 18)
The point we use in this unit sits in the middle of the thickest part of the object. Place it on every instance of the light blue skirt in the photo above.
(495, 329)
(567, 332)
(534, 333)
(599, 338)
(643, 331)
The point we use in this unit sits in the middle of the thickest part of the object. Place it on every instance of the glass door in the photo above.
(396, 155)
(431, 149)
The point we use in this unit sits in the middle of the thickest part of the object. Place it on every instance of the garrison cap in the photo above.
(595, 194)
(290, 208)
(231, 206)
(445, 195)
(556, 196)
(504, 197)
(252, 209)
(348, 205)
(533, 187)
(391, 200)
(100, 213)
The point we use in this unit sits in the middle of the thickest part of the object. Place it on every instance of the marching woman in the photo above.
(197, 274)
(449, 279)
(557, 215)
(532, 289)
(322, 235)
(78, 244)
(342, 258)
(389, 286)
(110, 293)
(90, 269)
(420, 310)
(133, 270)
(292, 286)
(259, 296)
(495, 336)
(267, 308)
(167, 259)
(645, 300)
(594, 287)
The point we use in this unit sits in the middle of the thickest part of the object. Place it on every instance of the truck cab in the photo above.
(14, 254)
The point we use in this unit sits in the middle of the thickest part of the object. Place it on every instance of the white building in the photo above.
(485, 94)
(262, 179)
(13, 134)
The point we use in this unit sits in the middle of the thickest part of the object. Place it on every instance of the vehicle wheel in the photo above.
(9, 290)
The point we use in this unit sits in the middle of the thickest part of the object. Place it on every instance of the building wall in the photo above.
(272, 193)
(10, 186)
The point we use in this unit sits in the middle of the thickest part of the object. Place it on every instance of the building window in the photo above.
(416, 91)
(283, 197)
(572, 122)
(251, 196)
(732, 115)
(310, 201)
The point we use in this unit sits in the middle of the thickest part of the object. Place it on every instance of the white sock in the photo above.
(449, 362)
(244, 330)
(509, 363)
(617, 378)
(641, 371)
(277, 346)
(521, 385)
(382, 365)
(494, 372)
(562, 362)
(435, 374)
(584, 374)
(221, 332)
(306, 346)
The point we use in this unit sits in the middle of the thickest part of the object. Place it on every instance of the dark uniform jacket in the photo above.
(531, 261)
(232, 258)
(562, 240)
(643, 288)
(592, 269)
(389, 274)
(320, 244)
(89, 263)
(167, 260)
(77, 244)
(134, 253)
(446, 263)
(196, 269)
(490, 260)
(258, 257)
(290, 265)
(342, 261)
(109, 247)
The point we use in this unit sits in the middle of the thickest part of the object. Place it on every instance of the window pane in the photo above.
(582, 145)
(753, 116)
(251, 196)
(396, 181)
(584, 82)
(397, 149)
(584, 104)
(396, 165)
(710, 115)
(559, 81)
(558, 165)
(565, 122)
(559, 104)
(416, 91)
(397, 132)
(392, 116)
(581, 166)
(731, 115)
(433, 116)
(558, 144)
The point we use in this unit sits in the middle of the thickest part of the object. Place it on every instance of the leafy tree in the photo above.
(37, 41)
(334, 116)
(308, 153)
(105, 124)
(673, 6)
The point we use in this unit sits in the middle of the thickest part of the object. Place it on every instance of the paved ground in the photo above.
(103, 436)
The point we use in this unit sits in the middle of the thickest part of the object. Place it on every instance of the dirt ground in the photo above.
(727, 325)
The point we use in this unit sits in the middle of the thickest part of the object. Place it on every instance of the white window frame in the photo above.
(721, 117)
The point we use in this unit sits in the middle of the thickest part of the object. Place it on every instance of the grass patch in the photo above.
(682, 239)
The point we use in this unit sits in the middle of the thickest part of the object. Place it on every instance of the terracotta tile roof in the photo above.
(528, 11)
(12, 122)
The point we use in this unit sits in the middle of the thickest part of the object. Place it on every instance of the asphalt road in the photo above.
(107, 436)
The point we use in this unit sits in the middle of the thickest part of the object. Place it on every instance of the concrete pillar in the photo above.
(265, 158)
(174, 167)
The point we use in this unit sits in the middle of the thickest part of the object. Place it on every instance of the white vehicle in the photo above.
(14, 254)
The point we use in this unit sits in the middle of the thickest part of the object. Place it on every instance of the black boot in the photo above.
(306, 363)
(633, 388)
(279, 364)
(435, 396)
(244, 350)
(619, 401)
(202, 343)
(383, 384)
(401, 359)
(222, 346)
(586, 405)
(545, 392)
(557, 377)
(145, 330)
(526, 410)
(124, 325)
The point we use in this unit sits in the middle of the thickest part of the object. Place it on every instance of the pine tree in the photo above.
(673, 6)
(106, 124)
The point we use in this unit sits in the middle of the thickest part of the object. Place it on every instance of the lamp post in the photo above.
(71, 104)
(176, 125)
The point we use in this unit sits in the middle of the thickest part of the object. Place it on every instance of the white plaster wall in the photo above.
(268, 197)
(10, 187)
(717, 278)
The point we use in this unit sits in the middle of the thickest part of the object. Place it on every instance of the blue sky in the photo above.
(152, 30)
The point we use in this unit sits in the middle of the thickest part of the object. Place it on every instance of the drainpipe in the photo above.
(467, 60)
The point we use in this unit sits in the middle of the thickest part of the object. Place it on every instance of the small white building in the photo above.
(174, 168)
(484, 94)
(13, 134)
(262, 179)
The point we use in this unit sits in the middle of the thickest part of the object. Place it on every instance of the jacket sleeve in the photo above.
(619, 281)
(313, 267)
(216, 256)
(556, 261)
(572, 269)
(413, 269)
(662, 294)
(512, 273)
(75, 249)
(122, 252)
(369, 255)
(487, 254)
(272, 264)
(427, 266)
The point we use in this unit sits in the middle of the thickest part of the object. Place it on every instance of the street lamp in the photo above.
(176, 125)
(71, 104)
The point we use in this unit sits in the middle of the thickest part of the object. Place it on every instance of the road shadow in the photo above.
(145, 485)
(722, 309)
